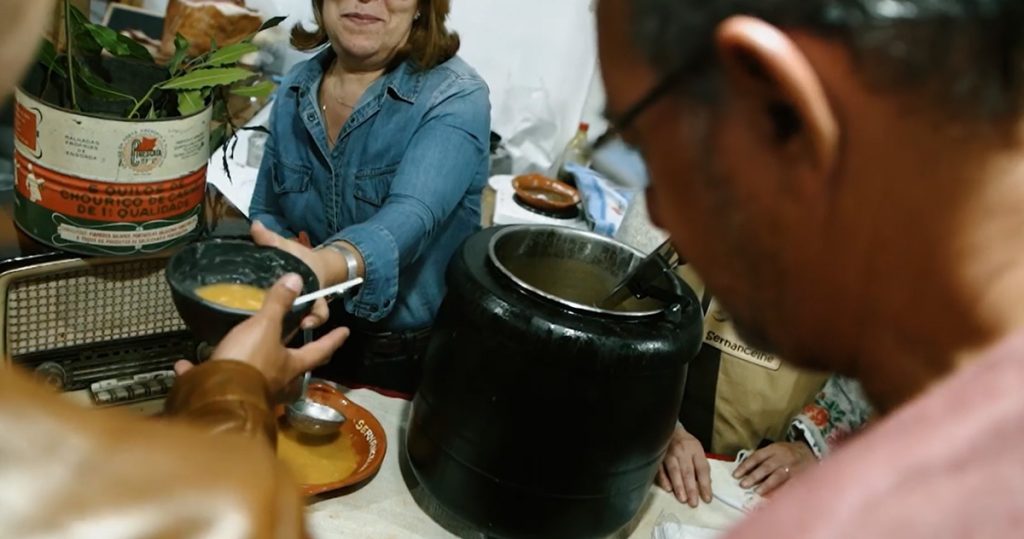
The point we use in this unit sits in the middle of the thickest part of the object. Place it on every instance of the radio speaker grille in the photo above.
(99, 303)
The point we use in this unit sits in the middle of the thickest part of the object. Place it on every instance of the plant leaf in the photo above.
(190, 102)
(181, 46)
(81, 36)
(117, 44)
(220, 108)
(97, 86)
(205, 78)
(217, 135)
(228, 55)
(258, 90)
(267, 25)
(151, 115)
(48, 57)
(270, 23)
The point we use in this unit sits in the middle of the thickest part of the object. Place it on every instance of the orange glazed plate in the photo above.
(329, 463)
(544, 193)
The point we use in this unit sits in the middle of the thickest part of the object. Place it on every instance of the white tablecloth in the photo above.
(393, 505)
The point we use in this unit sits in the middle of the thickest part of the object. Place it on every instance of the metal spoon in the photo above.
(308, 416)
(338, 289)
(304, 414)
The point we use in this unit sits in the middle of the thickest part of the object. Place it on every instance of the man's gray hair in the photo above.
(966, 53)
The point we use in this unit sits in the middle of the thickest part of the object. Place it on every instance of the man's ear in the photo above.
(759, 60)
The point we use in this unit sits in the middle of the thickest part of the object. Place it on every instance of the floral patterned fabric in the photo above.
(839, 410)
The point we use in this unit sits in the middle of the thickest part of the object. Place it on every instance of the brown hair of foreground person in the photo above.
(207, 471)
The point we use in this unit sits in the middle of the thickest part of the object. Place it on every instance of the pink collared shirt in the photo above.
(948, 464)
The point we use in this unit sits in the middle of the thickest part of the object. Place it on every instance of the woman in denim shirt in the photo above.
(378, 151)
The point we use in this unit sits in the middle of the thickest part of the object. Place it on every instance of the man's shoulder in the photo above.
(946, 463)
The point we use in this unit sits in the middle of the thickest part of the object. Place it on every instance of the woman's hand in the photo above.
(685, 470)
(772, 466)
(257, 341)
(316, 262)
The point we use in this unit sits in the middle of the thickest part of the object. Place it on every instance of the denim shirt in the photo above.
(402, 183)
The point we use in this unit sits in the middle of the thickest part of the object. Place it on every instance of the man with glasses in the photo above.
(848, 177)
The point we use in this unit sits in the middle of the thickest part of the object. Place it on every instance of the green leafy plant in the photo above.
(82, 78)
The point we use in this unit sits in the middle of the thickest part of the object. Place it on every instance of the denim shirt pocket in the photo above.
(291, 178)
(372, 186)
(291, 184)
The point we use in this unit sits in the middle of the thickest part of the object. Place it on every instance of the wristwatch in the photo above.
(351, 261)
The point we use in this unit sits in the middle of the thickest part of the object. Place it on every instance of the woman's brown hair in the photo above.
(430, 42)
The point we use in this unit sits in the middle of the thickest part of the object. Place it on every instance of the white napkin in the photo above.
(671, 528)
(727, 489)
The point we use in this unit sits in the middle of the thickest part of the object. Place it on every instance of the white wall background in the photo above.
(537, 56)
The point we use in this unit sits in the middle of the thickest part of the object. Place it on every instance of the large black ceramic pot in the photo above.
(540, 415)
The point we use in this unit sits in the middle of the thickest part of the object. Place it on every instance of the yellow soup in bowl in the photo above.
(244, 297)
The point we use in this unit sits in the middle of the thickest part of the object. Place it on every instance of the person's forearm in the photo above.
(225, 396)
(336, 265)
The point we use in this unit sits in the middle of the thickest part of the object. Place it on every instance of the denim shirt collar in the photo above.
(403, 82)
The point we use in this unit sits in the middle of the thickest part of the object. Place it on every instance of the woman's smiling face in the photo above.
(368, 30)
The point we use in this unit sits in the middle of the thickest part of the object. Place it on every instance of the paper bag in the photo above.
(202, 22)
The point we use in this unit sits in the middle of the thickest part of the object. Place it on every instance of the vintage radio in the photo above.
(102, 330)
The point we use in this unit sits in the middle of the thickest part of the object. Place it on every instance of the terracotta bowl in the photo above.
(544, 193)
(368, 441)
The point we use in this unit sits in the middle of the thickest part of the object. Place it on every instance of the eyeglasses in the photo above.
(613, 136)
(627, 119)
(638, 282)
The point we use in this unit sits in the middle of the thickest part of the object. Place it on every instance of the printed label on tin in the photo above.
(101, 201)
(108, 150)
(95, 237)
(92, 237)
(111, 236)
(143, 151)
(26, 125)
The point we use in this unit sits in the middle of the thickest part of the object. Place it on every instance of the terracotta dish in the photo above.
(328, 464)
(544, 193)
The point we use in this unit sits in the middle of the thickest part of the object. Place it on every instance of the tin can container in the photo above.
(103, 186)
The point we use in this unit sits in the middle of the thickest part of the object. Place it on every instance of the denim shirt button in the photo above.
(311, 117)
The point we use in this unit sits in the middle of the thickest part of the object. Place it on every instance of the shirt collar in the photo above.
(403, 82)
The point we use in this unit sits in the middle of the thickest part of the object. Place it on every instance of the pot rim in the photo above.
(94, 116)
(493, 255)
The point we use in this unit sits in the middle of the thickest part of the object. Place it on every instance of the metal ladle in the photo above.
(641, 281)
(310, 417)
(304, 414)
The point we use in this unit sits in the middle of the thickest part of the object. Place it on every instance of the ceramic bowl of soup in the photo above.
(217, 284)
(323, 464)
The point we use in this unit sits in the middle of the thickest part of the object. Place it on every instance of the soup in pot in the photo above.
(244, 297)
